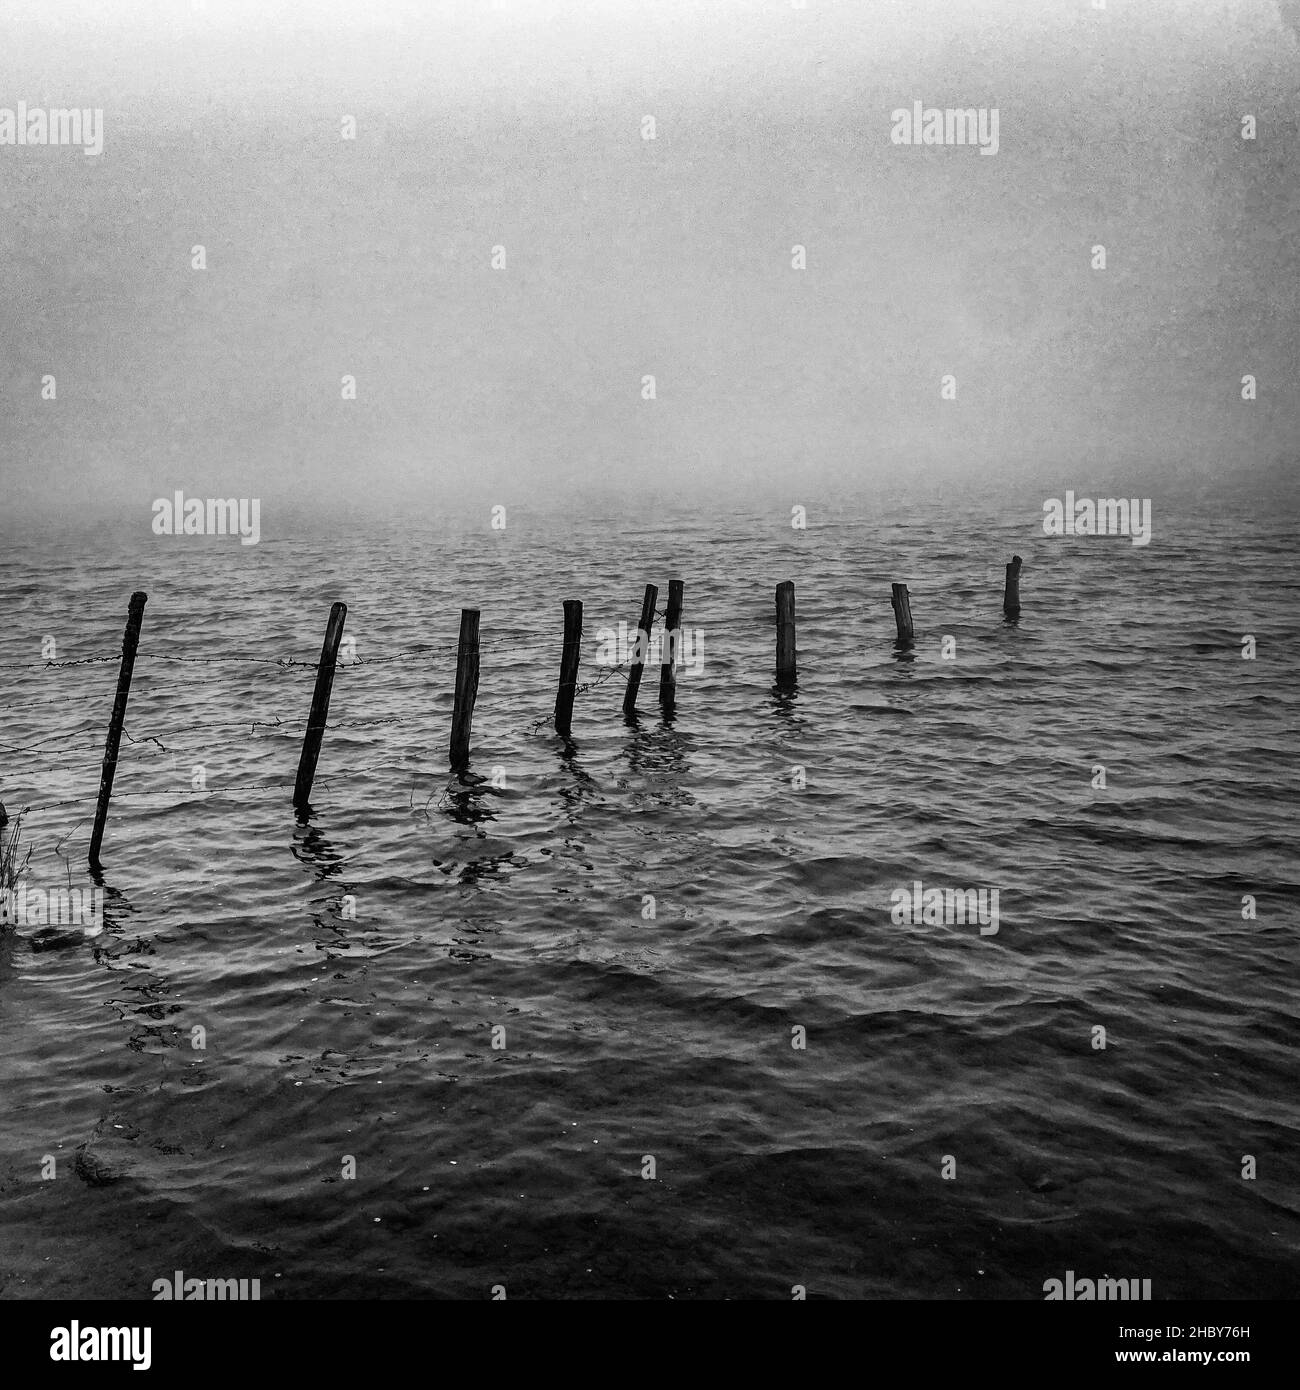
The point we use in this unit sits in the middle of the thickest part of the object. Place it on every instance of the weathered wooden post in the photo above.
(672, 640)
(642, 648)
(130, 643)
(462, 715)
(320, 707)
(569, 659)
(1011, 592)
(785, 655)
(902, 612)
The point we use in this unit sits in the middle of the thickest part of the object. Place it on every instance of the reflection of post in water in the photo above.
(332, 911)
(580, 788)
(485, 864)
(466, 800)
(661, 755)
(117, 906)
(310, 847)
(576, 788)
(62, 935)
(142, 1004)
(785, 696)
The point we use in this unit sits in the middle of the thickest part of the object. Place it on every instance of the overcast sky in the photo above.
(519, 124)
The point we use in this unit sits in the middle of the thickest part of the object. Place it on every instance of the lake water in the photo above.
(348, 970)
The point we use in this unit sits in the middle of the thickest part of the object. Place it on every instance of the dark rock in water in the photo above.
(92, 1170)
(50, 939)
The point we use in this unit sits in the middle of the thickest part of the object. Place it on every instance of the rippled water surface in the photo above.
(522, 906)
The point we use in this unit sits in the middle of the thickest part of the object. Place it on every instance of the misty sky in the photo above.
(519, 124)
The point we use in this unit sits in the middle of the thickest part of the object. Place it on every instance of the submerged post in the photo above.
(672, 640)
(130, 643)
(1011, 592)
(462, 715)
(642, 647)
(785, 656)
(320, 707)
(902, 612)
(569, 666)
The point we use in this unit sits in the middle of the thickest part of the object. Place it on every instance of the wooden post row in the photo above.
(467, 673)
(130, 644)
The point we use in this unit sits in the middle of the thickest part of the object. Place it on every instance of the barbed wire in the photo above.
(582, 689)
(40, 742)
(447, 649)
(234, 789)
(276, 721)
(86, 697)
(126, 733)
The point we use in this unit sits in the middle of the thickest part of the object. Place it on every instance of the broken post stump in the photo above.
(462, 716)
(569, 666)
(642, 648)
(1011, 591)
(320, 707)
(902, 612)
(130, 644)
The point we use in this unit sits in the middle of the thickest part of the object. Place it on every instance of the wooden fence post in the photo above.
(462, 716)
(130, 643)
(642, 648)
(785, 653)
(672, 640)
(320, 707)
(1011, 591)
(569, 660)
(902, 612)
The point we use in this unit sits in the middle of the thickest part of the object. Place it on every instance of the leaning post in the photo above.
(130, 644)
(320, 707)
(642, 648)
